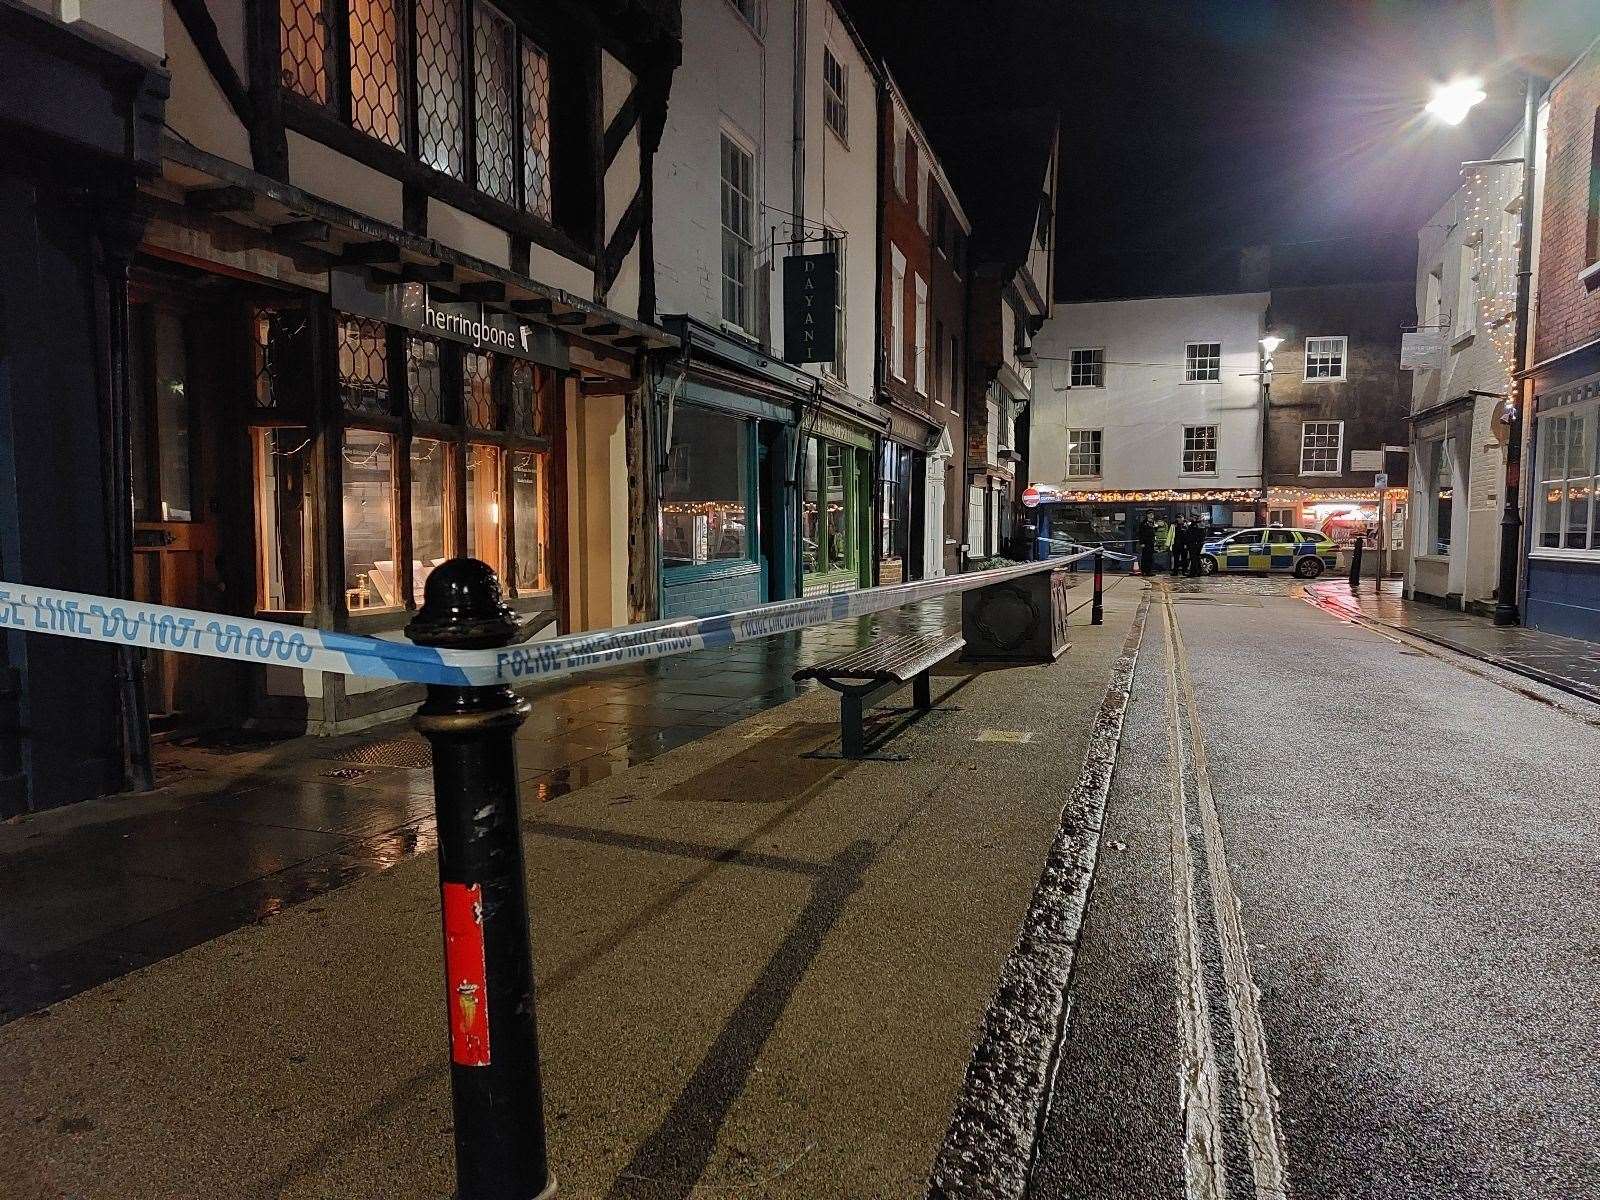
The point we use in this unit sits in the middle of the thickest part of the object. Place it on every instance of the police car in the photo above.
(1304, 551)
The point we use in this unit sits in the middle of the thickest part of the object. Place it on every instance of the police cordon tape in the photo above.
(271, 643)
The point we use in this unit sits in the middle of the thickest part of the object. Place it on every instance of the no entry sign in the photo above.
(1030, 497)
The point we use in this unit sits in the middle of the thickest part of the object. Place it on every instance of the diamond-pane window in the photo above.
(535, 130)
(477, 391)
(363, 365)
(423, 390)
(375, 69)
(281, 354)
(441, 117)
(303, 34)
(494, 89)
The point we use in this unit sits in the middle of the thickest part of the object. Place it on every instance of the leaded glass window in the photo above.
(477, 391)
(494, 90)
(424, 391)
(535, 130)
(303, 35)
(441, 115)
(375, 70)
(363, 365)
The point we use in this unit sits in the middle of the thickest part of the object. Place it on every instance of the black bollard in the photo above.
(494, 1043)
(1355, 562)
(1096, 614)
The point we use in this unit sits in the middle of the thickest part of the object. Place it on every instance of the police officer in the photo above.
(1180, 547)
(1147, 545)
(1195, 534)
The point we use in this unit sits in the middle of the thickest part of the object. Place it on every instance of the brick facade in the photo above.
(1569, 305)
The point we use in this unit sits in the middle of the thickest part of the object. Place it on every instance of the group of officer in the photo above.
(1183, 540)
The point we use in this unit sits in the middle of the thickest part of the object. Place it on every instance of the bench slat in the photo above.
(898, 658)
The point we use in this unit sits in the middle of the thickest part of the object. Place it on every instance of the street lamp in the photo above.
(1269, 343)
(1452, 101)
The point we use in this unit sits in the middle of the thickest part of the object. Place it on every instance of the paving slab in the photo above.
(759, 973)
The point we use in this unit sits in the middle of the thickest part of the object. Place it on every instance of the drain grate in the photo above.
(347, 773)
(399, 752)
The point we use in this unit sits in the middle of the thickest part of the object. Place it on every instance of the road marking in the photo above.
(1204, 1174)
(1258, 1101)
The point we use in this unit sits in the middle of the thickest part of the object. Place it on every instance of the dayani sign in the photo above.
(810, 289)
(413, 306)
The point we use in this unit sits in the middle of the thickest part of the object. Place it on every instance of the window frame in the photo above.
(1189, 448)
(836, 98)
(1098, 362)
(1586, 410)
(1097, 437)
(1305, 428)
(897, 316)
(1191, 361)
(729, 137)
(564, 225)
(1344, 358)
(919, 334)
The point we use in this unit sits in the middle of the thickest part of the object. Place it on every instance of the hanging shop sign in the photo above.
(810, 291)
(416, 306)
(1366, 460)
(1423, 350)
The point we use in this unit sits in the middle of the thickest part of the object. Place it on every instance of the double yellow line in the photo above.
(1205, 1174)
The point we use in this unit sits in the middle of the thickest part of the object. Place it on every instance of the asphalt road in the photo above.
(1344, 939)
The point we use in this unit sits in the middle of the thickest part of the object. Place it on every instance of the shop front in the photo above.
(1112, 518)
(903, 511)
(725, 419)
(1562, 519)
(314, 429)
(835, 470)
(1377, 516)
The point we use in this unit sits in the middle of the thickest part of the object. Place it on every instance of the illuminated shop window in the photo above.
(484, 527)
(370, 576)
(703, 494)
(432, 511)
(283, 518)
(530, 510)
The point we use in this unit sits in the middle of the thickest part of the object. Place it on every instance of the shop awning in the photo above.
(239, 207)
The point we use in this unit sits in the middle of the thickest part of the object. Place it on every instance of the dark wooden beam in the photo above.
(603, 330)
(202, 31)
(427, 273)
(623, 236)
(358, 254)
(489, 290)
(568, 318)
(538, 307)
(621, 126)
(303, 231)
(227, 198)
(632, 342)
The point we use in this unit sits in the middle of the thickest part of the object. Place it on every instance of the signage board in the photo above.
(810, 291)
(1366, 460)
(1380, 480)
(1423, 350)
(416, 306)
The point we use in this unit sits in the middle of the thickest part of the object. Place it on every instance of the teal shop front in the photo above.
(725, 421)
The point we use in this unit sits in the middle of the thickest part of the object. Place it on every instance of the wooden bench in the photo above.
(864, 677)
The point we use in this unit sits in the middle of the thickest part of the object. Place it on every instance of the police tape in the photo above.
(271, 643)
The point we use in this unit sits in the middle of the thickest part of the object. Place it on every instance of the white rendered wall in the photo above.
(1145, 404)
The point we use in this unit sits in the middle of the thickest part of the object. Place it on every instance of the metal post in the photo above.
(1505, 600)
(494, 1045)
(1355, 562)
(1096, 614)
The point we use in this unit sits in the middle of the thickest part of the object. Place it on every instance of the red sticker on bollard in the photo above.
(466, 979)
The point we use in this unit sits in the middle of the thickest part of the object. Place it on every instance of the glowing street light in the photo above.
(1452, 101)
(1270, 344)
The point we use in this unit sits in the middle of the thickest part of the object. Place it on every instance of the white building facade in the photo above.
(1153, 402)
(1466, 306)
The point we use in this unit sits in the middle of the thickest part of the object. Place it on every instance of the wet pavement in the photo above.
(1570, 664)
(238, 833)
(1341, 941)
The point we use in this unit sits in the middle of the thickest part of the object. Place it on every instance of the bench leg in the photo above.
(922, 692)
(852, 735)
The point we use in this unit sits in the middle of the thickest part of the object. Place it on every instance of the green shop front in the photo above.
(837, 450)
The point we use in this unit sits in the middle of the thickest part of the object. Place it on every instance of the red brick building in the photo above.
(1561, 531)
(922, 316)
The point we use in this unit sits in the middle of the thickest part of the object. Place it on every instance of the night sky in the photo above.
(1193, 127)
